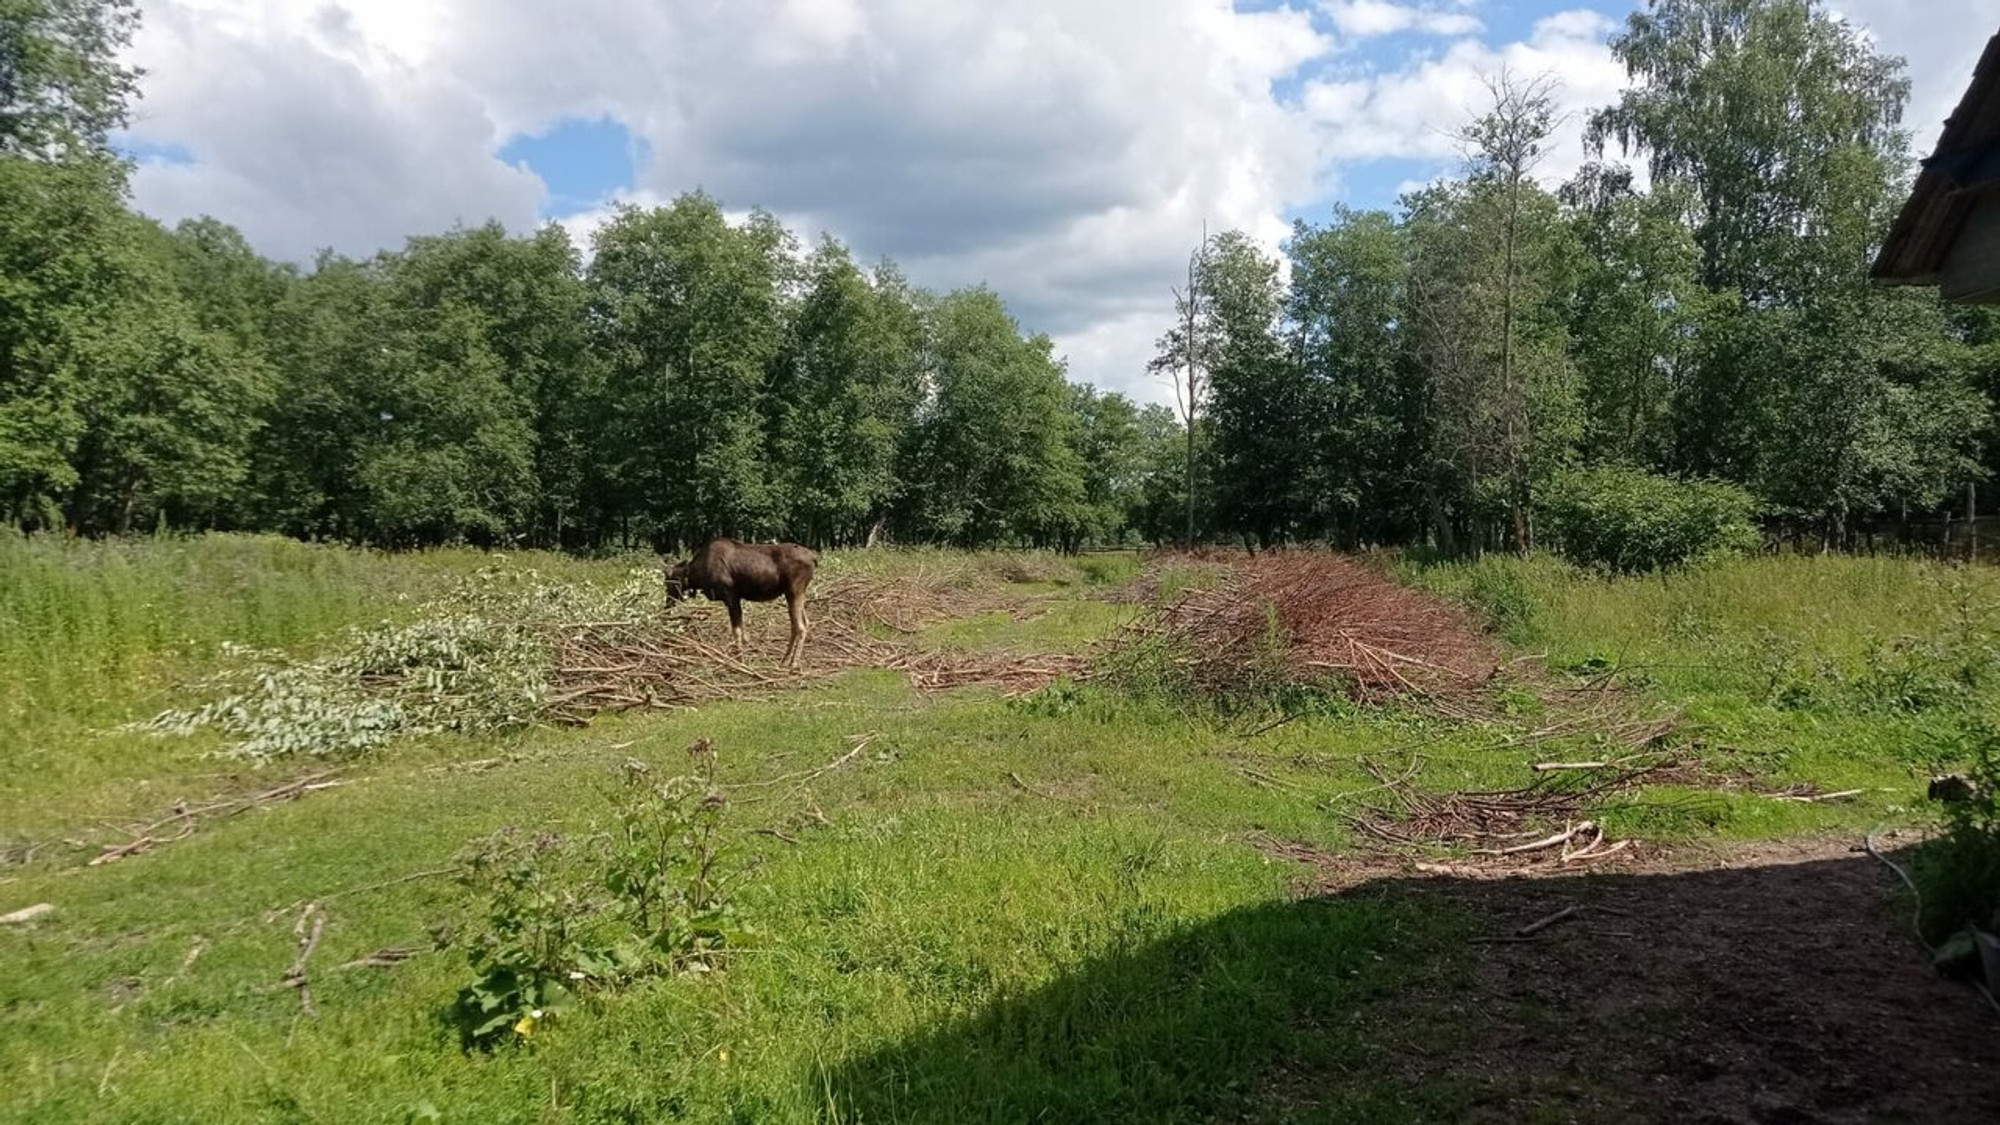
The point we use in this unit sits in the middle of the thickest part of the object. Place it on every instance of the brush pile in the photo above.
(510, 648)
(1545, 820)
(1318, 617)
(684, 657)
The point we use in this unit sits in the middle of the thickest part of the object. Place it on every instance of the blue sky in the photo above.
(1067, 154)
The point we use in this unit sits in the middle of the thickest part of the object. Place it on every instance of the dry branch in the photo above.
(384, 958)
(1810, 798)
(28, 914)
(861, 742)
(1027, 788)
(295, 977)
(1563, 837)
(145, 838)
(1540, 924)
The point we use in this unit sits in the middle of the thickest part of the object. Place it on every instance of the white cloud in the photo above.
(1364, 18)
(306, 132)
(1067, 154)
(1416, 112)
(1940, 48)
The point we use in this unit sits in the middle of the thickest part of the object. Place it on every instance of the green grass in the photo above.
(93, 634)
(1788, 665)
(1045, 908)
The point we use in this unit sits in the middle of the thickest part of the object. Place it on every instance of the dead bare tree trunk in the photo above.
(1180, 359)
(1192, 368)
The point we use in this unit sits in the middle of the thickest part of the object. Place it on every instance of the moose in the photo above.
(730, 572)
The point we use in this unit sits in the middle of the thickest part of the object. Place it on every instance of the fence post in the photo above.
(1971, 522)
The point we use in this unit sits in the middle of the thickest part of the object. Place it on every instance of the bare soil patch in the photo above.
(1775, 984)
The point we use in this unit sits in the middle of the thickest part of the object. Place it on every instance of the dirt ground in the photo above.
(1778, 985)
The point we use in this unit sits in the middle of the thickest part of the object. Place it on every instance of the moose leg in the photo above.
(736, 621)
(796, 603)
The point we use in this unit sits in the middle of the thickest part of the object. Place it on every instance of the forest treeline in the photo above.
(1688, 316)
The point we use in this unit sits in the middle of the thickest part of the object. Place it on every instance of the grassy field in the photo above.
(1043, 908)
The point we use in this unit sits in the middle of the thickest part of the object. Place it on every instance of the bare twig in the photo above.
(384, 958)
(1015, 778)
(863, 741)
(1562, 837)
(295, 977)
(1540, 924)
(1810, 798)
(412, 877)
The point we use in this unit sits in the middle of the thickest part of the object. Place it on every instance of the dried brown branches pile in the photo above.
(1546, 820)
(1319, 616)
(683, 657)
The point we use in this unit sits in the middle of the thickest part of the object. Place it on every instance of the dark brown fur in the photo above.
(732, 573)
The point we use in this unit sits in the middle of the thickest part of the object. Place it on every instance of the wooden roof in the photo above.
(1965, 167)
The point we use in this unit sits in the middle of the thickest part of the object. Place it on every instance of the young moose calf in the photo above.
(731, 573)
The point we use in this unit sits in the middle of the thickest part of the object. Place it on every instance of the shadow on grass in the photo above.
(1787, 992)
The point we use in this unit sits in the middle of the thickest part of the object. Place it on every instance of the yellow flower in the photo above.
(527, 1025)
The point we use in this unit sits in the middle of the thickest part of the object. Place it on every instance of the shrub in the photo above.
(565, 917)
(1628, 520)
(1959, 872)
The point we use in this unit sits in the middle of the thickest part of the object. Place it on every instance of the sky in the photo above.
(1066, 153)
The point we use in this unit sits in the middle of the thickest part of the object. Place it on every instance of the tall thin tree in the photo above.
(1180, 358)
(1504, 145)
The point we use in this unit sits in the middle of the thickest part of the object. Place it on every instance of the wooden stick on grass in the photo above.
(295, 977)
(1562, 837)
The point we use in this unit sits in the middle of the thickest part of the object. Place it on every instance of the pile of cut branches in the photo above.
(1548, 819)
(509, 648)
(684, 658)
(1311, 616)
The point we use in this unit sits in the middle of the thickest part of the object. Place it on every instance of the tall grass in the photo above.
(93, 633)
(1710, 629)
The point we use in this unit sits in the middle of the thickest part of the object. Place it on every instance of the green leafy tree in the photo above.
(690, 321)
(412, 390)
(1781, 119)
(991, 458)
(1531, 389)
(524, 301)
(1774, 124)
(232, 288)
(843, 394)
(1348, 288)
(169, 415)
(57, 276)
(1635, 319)
(1258, 395)
(333, 392)
(1500, 403)
(62, 88)
(117, 406)
(1111, 448)
(1159, 508)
